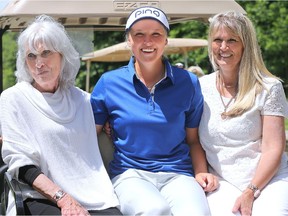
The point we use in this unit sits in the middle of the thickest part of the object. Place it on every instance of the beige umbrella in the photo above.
(115, 53)
(121, 52)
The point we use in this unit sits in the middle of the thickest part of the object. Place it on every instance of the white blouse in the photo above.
(233, 146)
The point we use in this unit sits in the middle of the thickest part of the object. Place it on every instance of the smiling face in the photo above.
(147, 39)
(227, 49)
(45, 67)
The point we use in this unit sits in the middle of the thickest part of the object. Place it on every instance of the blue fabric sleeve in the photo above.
(193, 116)
(97, 100)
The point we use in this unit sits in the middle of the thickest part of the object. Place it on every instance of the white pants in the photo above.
(273, 200)
(147, 193)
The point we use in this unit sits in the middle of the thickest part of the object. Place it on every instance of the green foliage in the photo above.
(271, 22)
(196, 30)
(9, 58)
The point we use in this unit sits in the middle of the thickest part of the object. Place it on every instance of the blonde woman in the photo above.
(242, 126)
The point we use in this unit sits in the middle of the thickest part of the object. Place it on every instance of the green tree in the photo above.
(271, 23)
(9, 58)
(197, 30)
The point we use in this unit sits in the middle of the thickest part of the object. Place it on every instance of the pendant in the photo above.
(223, 116)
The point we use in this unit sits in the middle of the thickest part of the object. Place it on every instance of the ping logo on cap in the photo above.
(147, 12)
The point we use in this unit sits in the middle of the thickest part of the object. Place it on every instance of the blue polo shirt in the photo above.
(149, 128)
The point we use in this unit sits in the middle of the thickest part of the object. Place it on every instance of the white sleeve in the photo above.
(276, 102)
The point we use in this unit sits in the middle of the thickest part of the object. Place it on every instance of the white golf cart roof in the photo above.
(16, 14)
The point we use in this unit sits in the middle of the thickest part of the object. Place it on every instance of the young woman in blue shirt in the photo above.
(154, 110)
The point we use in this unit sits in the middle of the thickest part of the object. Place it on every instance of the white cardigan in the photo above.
(57, 133)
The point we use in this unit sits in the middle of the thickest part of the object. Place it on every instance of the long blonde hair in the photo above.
(252, 69)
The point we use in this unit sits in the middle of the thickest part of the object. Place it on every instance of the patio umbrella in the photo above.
(121, 52)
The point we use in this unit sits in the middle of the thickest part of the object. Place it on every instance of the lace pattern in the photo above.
(276, 101)
(233, 145)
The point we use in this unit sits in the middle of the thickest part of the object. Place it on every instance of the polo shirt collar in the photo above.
(168, 68)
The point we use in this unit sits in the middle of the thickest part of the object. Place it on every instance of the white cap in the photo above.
(147, 12)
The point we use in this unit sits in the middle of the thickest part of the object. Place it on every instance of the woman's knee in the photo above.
(149, 207)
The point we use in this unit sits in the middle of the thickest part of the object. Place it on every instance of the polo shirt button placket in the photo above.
(151, 102)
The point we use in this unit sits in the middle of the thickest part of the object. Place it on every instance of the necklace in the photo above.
(229, 86)
(149, 88)
(222, 83)
(223, 115)
(161, 75)
(152, 86)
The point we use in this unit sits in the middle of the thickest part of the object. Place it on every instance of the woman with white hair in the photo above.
(49, 138)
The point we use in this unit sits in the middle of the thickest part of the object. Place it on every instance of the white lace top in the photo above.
(233, 146)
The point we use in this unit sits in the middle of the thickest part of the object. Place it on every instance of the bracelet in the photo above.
(255, 190)
(59, 195)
